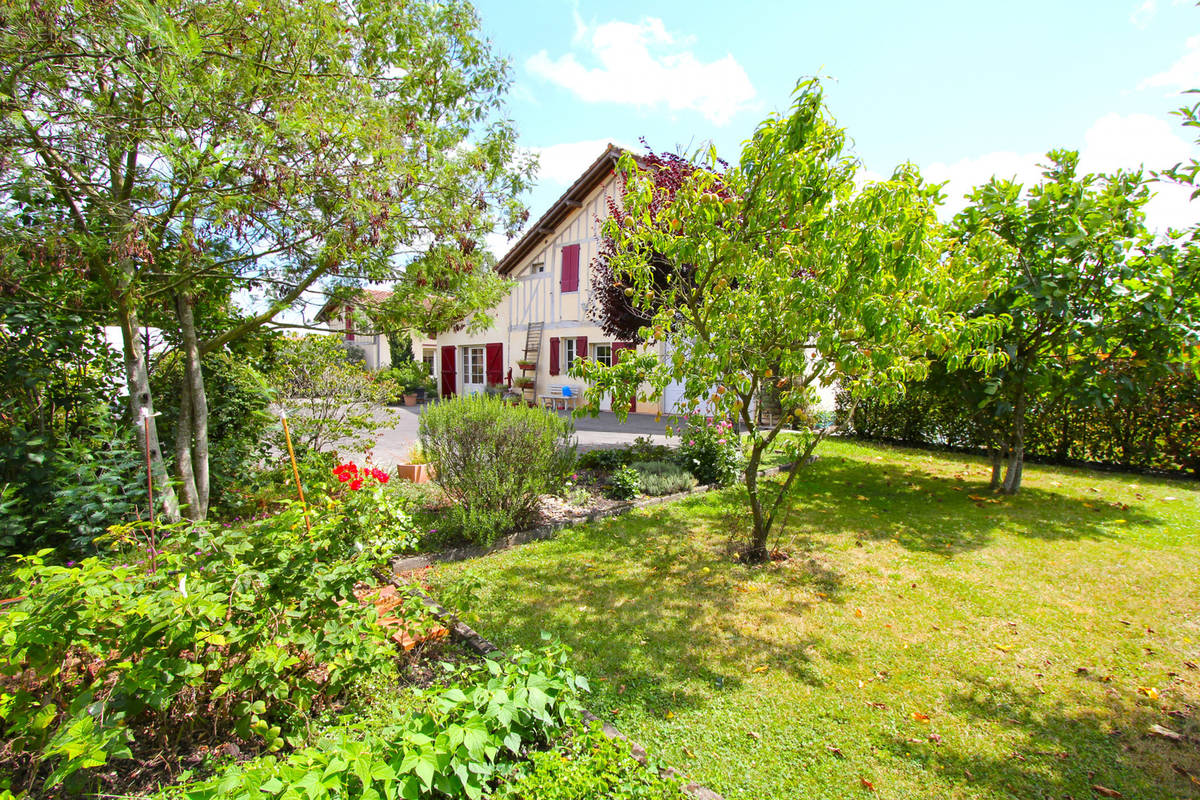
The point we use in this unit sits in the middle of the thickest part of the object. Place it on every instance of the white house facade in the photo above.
(544, 321)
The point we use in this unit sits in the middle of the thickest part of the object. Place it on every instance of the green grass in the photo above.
(1023, 628)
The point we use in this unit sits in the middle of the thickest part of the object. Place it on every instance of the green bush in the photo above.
(409, 378)
(656, 478)
(331, 400)
(495, 460)
(589, 765)
(196, 633)
(709, 449)
(642, 449)
(69, 466)
(624, 483)
(238, 416)
(474, 524)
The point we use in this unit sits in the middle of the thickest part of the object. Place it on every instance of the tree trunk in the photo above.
(997, 462)
(1016, 453)
(757, 552)
(137, 379)
(193, 381)
(183, 454)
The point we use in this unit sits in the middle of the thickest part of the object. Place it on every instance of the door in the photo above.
(473, 370)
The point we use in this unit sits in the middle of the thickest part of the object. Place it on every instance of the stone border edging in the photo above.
(482, 647)
(551, 529)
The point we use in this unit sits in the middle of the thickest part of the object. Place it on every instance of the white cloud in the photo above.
(1184, 74)
(644, 64)
(1130, 142)
(1144, 13)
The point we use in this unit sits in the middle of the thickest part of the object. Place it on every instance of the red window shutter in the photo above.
(494, 362)
(449, 370)
(616, 357)
(569, 281)
(349, 312)
(553, 355)
(581, 347)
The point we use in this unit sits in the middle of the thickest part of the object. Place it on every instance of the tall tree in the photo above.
(780, 275)
(1088, 285)
(318, 140)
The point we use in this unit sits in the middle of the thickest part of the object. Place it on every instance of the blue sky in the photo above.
(963, 89)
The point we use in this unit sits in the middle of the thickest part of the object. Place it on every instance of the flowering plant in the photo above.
(709, 449)
(352, 474)
(381, 521)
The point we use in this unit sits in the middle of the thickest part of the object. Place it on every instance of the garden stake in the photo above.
(287, 434)
(150, 490)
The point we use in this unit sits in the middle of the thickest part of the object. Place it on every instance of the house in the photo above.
(544, 318)
(339, 318)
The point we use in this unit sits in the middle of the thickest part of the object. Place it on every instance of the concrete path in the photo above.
(591, 433)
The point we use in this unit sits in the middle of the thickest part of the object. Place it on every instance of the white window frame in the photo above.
(570, 352)
(473, 358)
(600, 347)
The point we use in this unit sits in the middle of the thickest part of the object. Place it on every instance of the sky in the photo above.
(963, 89)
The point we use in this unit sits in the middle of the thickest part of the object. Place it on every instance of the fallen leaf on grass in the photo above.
(863, 499)
(835, 750)
(919, 717)
(1166, 733)
(753, 735)
(1148, 691)
(858, 613)
(1001, 648)
(670, 715)
(866, 784)
(763, 668)
(1105, 791)
(878, 705)
(1191, 665)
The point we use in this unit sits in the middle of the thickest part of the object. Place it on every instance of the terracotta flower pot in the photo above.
(410, 399)
(417, 473)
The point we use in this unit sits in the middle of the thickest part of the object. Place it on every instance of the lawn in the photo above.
(924, 640)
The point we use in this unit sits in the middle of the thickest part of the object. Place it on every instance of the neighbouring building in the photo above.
(339, 318)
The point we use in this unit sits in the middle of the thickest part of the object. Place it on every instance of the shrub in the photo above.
(480, 525)
(377, 513)
(330, 399)
(495, 460)
(68, 466)
(709, 450)
(587, 766)
(244, 630)
(623, 483)
(657, 478)
(642, 449)
(409, 378)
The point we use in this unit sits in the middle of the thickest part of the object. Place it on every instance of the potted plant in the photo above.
(523, 381)
(417, 468)
(526, 364)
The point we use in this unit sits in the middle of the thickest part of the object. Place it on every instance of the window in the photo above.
(427, 355)
(570, 347)
(538, 267)
(603, 354)
(349, 324)
(473, 366)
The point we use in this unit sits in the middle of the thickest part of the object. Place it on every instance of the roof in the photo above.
(372, 296)
(571, 200)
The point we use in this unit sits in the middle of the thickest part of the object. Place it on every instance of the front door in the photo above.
(473, 370)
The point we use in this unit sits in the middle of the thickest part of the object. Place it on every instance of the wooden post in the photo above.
(287, 434)
(150, 491)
